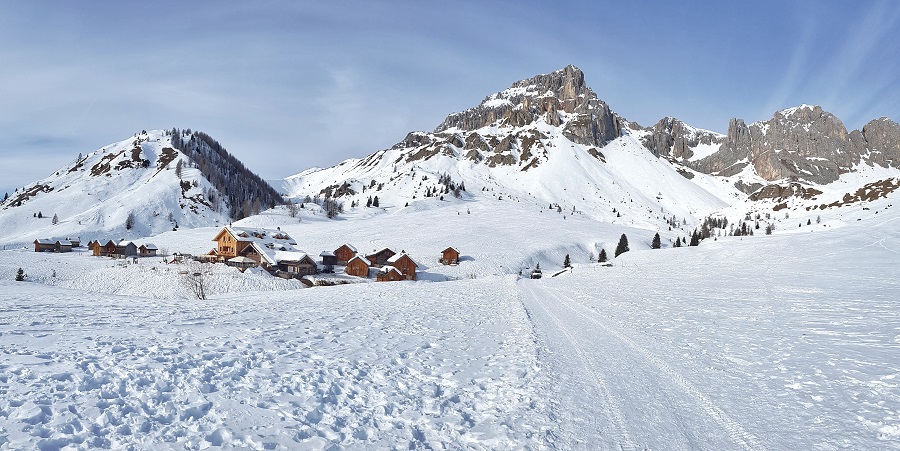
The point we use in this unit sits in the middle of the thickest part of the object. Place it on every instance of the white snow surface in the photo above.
(787, 341)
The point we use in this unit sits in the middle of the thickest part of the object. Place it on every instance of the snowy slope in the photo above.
(767, 342)
(93, 196)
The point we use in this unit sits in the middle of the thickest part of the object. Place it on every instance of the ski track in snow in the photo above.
(569, 307)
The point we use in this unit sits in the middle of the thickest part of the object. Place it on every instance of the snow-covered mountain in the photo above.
(550, 141)
(149, 183)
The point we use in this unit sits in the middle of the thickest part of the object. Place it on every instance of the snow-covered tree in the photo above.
(567, 263)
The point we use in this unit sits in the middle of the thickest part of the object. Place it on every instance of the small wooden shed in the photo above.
(357, 267)
(126, 249)
(449, 256)
(380, 258)
(403, 263)
(344, 253)
(62, 246)
(389, 274)
(147, 250)
(103, 249)
(44, 245)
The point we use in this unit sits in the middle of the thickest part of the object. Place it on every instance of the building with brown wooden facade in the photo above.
(449, 256)
(357, 266)
(380, 258)
(344, 254)
(403, 263)
(389, 274)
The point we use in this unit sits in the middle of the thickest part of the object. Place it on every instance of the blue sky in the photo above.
(290, 85)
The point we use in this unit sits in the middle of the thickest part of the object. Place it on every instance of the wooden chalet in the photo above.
(449, 256)
(328, 260)
(44, 246)
(389, 274)
(147, 250)
(75, 242)
(62, 246)
(231, 241)
(380, 258)
(403, 263)
(357, 266)
(296, 264)
(344, 253)
(107, 249)
(126, 249)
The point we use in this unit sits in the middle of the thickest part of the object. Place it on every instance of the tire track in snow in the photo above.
(611, 406)
(736, 432)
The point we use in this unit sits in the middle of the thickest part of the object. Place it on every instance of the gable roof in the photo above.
(451, 248)
(387, 269)
(149, 246)
(396, 258)
(378, 252)
(45, 241)
(326, 254)
(63, 242)
(348, 246)
(357, 257)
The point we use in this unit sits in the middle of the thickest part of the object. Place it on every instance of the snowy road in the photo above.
(612, 393)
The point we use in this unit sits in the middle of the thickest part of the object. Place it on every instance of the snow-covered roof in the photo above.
(380, 251)
(255, 235)
(63, 242)
(273, 253)
(326, 254)
(387, 269)
(241, 259)
(349, 246)
(124, 243)
(357, 257)
(396, 257)
(149, 246)
(290, 256)
(45, 241)
(451, 248)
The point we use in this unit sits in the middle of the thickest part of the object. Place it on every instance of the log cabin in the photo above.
(126, 249)
(389, 274)
(380, 258)
(344, 254)
(147, 250)
(62, 246)
(43, 245)
(104, 249)
(403, 263)
(449, 256)
(357, 266)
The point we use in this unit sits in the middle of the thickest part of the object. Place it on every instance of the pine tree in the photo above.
(129, 221)
(55, 219)
(601, 258)
(566, 262)
(622, 247)
(375, 201)
(20, 275)
(40, 215)
(656, 244)
(695, 238)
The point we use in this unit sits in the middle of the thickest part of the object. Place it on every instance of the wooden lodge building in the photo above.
(272, 250)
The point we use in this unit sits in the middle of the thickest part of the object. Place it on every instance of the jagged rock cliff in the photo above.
(803, 143)
(559, 98)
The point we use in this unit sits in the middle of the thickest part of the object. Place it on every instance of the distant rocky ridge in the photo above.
(805, 144)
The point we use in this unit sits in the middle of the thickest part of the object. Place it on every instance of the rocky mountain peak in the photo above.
(560, 99)
(803, 143)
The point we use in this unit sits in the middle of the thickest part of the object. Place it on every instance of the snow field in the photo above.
(362, 366)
